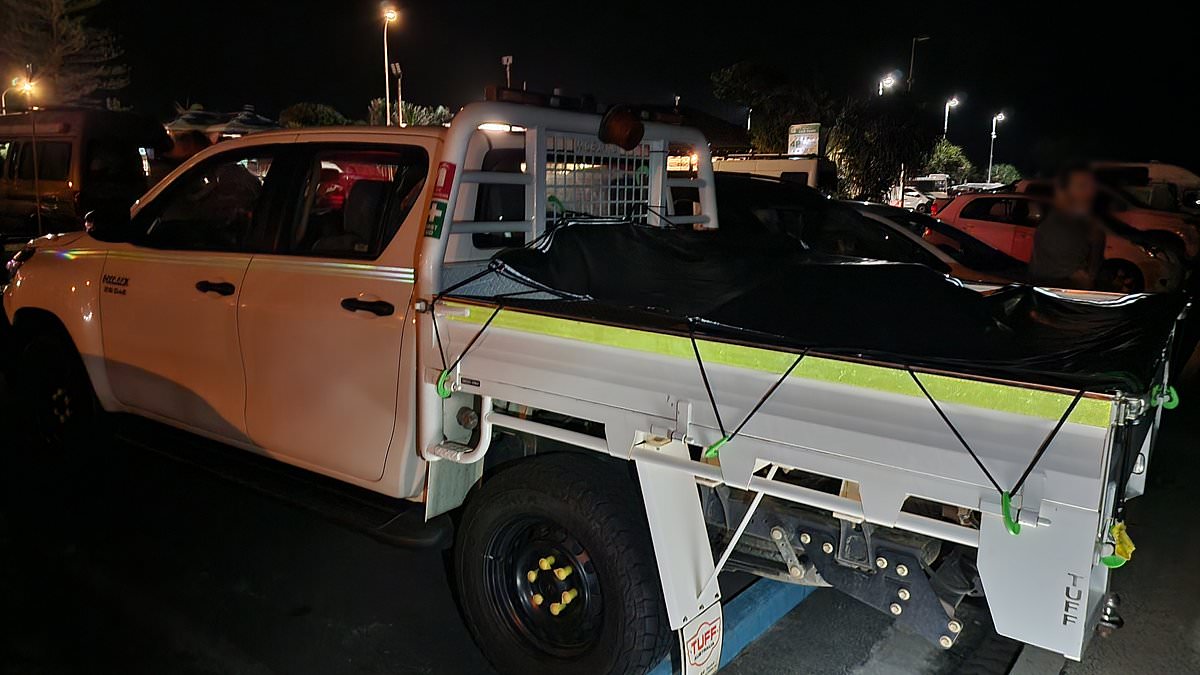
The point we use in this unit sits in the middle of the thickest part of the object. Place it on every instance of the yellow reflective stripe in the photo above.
(989, 395)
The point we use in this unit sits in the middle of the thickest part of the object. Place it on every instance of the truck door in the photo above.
(322, 318)
(169, 298)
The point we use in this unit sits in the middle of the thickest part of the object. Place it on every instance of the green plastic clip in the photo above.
(1168, 399)
(1010, 522)
(442, 389)
(715, 449)
(1112, 562)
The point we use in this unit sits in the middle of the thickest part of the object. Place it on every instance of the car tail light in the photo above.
(933, 210)
(927, 233)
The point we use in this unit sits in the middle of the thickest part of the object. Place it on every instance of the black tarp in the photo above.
(768, 290)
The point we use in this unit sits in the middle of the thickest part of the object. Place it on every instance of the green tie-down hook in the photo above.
(1168, 399)
(1006, 512)
(715, 449)
(443, 389)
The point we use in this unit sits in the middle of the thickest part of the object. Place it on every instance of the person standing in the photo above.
(1068, 247)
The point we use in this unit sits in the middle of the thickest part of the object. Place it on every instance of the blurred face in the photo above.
(1079, 193)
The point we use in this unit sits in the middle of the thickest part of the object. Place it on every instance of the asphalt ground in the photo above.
(140, 563)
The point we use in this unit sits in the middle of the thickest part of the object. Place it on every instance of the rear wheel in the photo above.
(1120, 276)
(556, 571)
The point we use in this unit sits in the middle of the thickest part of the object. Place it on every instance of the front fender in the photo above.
(61, 281)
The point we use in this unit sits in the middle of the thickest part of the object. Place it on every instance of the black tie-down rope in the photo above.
(715, 449)
(1005, 495)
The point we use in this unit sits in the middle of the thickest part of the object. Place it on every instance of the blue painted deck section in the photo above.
(750, 614)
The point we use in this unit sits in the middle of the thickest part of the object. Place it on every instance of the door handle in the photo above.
(376, 307)
(218, 287)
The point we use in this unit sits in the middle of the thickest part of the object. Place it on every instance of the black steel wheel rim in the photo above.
(544, 586)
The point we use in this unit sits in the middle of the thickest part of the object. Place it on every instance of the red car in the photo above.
(1007, 222)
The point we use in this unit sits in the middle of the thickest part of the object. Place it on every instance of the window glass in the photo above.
(210, 208)
(987, 209)
(5, 147)
(356, 200)
(1026, 213)
(54, 161)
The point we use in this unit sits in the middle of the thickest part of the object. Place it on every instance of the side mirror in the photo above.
(108, 224)
(621, 127)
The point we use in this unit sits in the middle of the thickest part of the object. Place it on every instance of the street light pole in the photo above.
(912, 59)
(389, 15)
(998, 117)
(399, 73)
(17, 83)
(952, 103)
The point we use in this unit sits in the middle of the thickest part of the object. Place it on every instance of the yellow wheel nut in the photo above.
(563, 572)
(546, 563)
(531, 575)
(537, 599)
(555, 608)
(568, 596)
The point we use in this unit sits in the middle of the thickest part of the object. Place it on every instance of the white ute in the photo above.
(281, 293)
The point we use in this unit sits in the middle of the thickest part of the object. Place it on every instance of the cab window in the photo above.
(355, 200)
(212, 207)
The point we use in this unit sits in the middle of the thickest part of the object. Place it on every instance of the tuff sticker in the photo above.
(700, 642)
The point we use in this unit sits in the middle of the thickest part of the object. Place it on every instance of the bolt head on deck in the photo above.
(777, 533)
(903, 594)
(805, 538)
(902, 570)
(827, 547)
(945, 642)
(896, 608)
(881, 562)
(954, 626)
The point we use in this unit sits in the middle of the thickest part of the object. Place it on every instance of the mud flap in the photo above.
(700, 641)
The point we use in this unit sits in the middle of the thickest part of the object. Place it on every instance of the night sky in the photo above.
(1095, 82)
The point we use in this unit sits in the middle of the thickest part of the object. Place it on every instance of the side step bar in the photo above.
(396, 522)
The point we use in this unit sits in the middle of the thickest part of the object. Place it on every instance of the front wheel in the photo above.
(53, 394)
(556, 571)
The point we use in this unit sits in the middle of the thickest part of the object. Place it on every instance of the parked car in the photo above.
(86, 159)
(1162, 186)
(969, 258)
(758, 204)
(1007, 221)
(1167, 229)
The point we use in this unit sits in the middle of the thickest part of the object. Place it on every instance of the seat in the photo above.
(360, 218)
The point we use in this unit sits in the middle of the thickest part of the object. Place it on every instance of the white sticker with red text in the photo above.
(700, 642)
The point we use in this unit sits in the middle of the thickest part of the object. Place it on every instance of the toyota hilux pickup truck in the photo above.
(372, 305)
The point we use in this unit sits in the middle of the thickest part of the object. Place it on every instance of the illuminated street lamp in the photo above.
(996, 119)
(389, 15)
(20, 84)
(952, 103)
(887, 82)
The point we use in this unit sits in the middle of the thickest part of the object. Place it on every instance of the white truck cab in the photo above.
(285, 293)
